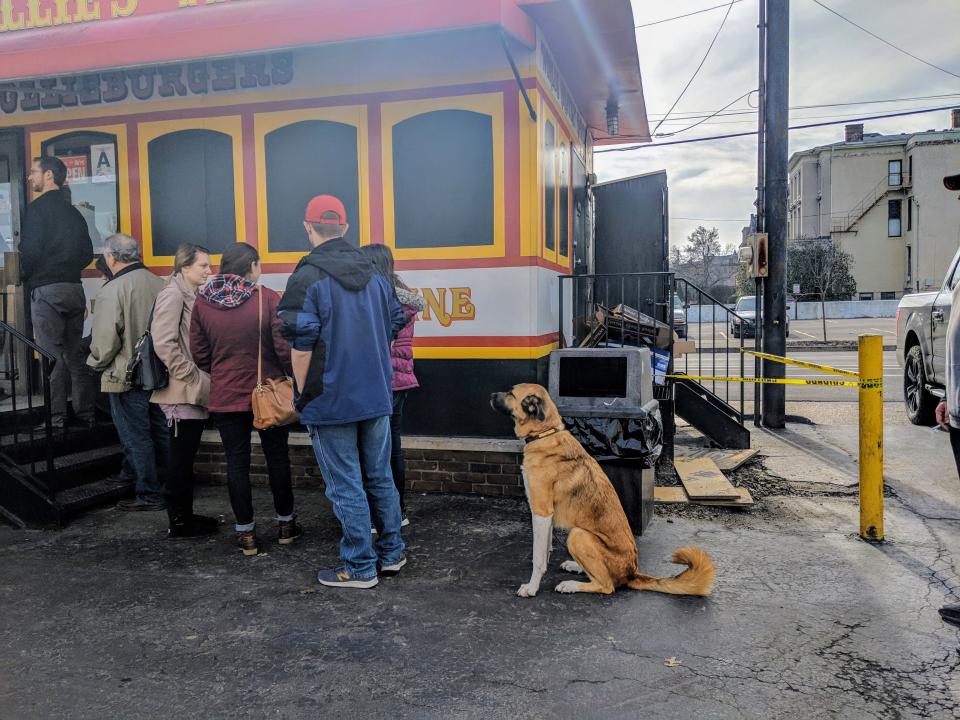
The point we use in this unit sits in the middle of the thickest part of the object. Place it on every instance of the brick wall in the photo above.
(480, 471)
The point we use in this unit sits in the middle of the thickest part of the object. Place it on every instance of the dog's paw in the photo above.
(527, 590)
(571, 566)
(568, 586)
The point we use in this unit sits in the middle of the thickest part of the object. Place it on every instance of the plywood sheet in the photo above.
(745, 500)
(726, 460)
(703, 480)
(670, 495)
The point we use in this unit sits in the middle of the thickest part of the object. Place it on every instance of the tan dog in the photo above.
(567, 488)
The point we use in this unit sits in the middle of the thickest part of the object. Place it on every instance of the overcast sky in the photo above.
(830, 62)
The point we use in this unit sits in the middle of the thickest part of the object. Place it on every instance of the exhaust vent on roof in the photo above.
(854, 133)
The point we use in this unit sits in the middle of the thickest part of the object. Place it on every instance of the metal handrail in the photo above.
(10, 330)
(666, 287)
(47, 362)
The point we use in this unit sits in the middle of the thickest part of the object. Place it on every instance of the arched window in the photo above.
(443, 180)
(91, 160)
(192, 191)
(308, 158)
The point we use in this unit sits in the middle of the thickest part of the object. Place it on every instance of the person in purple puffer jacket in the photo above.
(401, 354)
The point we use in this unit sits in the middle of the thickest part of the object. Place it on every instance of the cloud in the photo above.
(830, 62)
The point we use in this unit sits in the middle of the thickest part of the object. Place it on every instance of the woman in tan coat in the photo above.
(184, 399)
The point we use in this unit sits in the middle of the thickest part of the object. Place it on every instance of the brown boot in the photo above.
(247, 542)
(288, 532)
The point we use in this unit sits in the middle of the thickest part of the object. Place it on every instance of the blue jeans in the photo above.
(351, 476)
(143, 433)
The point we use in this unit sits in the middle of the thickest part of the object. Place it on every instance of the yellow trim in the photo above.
(123, 182)
(260, 96)
(529, 178)
(230, 126)
(490, 104)
(483, 353)
(264, 123)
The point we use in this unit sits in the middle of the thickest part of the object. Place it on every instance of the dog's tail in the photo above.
(697, 579)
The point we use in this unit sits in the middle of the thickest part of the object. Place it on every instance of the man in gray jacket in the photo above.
(948, 411)
(121, 316)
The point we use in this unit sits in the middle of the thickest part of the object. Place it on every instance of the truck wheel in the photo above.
(921, 405)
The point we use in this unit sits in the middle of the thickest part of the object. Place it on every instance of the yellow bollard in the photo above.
(871, 437)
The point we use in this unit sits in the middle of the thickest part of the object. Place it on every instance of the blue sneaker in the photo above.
(341, 577)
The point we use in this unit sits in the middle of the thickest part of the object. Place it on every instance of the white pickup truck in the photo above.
(922, 346)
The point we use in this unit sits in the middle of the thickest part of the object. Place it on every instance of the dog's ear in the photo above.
(533, 405)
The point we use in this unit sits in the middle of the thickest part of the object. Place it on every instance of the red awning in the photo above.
(160, 31)
(595, 46)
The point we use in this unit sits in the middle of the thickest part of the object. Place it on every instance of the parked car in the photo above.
(679, 317)
(922, 346)
(746, 308)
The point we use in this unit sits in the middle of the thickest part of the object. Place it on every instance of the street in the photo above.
(728, 364)
(717, 334)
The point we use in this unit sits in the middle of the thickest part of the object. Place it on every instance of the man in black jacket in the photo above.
(54, 248)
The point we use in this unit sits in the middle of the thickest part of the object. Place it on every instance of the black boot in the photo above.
(184, 525)
(951, 614)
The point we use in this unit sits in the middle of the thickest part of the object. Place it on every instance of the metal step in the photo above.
(710, 415)
(84, 496)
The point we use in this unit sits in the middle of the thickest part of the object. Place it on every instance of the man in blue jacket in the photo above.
(340, 316)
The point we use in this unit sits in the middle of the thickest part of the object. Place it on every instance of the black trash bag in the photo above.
(638, 438)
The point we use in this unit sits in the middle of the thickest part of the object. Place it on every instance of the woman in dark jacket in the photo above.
(224, 342)
(401, 355)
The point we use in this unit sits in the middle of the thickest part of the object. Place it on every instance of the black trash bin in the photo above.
(605, 396)
(627, 449)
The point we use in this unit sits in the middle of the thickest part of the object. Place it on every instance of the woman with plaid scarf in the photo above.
(228, 329)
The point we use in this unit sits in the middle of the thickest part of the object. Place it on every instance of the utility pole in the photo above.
(761, 223)
(775, 110)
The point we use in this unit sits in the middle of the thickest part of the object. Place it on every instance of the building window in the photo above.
(888, 295)
(304, 159)
(192, 191)
(549, 187)
(895, 173)
(910, 169)
(909, 213)
(893, 218)
(866, 296)
(91, 160)
(443, 180)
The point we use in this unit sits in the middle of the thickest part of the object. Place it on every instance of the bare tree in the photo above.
(822, 270)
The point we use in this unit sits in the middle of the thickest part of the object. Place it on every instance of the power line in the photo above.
(747, 133)
(693, 114)
(696, 72)
(678, 17)
(700, 122)
(885, 41)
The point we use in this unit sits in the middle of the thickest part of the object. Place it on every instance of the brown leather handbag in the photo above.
(272, 398)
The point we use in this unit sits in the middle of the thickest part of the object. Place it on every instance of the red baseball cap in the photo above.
(326, 210)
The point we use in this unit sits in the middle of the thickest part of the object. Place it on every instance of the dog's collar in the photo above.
(539, 436)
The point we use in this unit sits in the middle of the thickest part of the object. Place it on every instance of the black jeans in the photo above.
(235, 429)
(185, 438)
(396, 451)
(143, 434)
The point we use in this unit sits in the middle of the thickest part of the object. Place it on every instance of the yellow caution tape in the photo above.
(800, 363)
(865, 384)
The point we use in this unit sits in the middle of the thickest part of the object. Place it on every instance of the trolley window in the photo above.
(312, 157)
(91, 160)
(192, 191)
(549, 186)
(443, 180)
